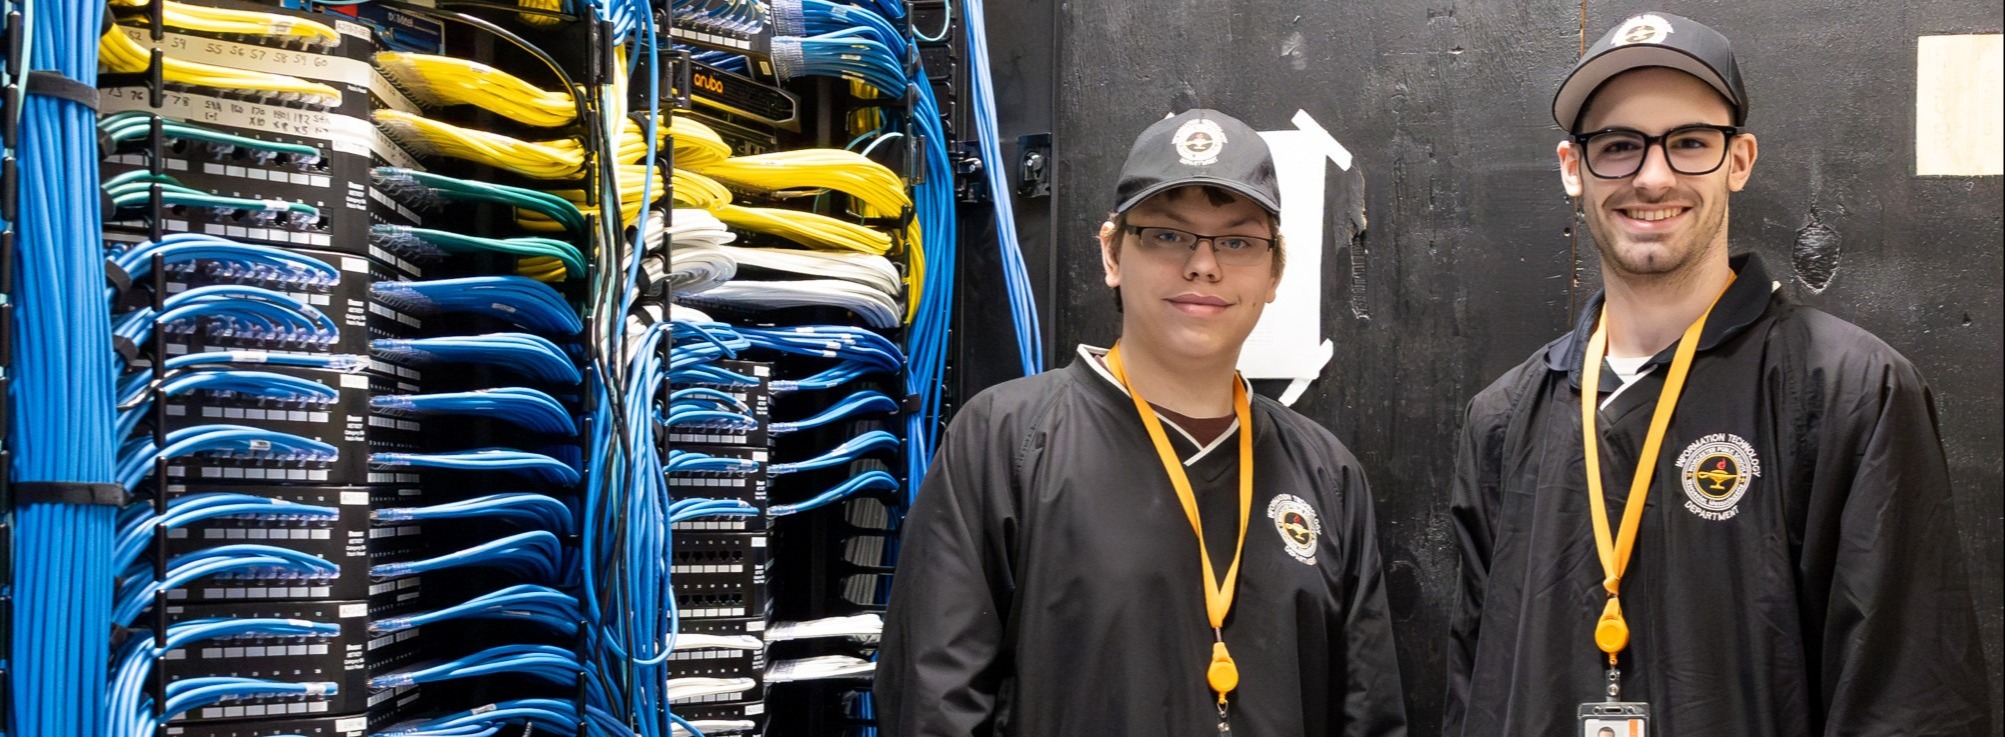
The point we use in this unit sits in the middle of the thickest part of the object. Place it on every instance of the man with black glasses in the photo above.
(1136, 545)
(1772, 554)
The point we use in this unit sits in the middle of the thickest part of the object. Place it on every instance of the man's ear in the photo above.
(1110, 254)
(1741, 153)
(1569, 168)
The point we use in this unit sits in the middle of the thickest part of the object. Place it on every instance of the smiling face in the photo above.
(1657, 223)
(1183, 303)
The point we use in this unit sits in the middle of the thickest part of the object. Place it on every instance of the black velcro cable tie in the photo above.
(68, 492)
(909, 405)
(128, 350)
(115, 276)
(51, 83)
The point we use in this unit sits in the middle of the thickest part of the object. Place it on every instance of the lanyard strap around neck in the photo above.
(1223, 674)
(1611, 631)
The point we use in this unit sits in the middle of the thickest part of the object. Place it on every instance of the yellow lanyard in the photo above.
(1222, 674)
(1611, 632)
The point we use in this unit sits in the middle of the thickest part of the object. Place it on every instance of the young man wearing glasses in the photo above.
(1772, 554)
(1136, 545)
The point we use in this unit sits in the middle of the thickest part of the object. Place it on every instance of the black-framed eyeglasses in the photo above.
(1617, 153)
(1228, 250)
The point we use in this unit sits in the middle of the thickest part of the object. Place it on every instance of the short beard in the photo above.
(1703, 240)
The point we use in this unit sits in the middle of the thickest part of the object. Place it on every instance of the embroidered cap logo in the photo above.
(1643, 29)
(1199, 142)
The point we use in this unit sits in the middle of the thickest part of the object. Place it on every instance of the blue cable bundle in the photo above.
(130, 708)
(1016, 279)
(530, 355)
(60, 426)
(135, 459)
(866, 481)
(522, 301)
(138, 522)
(227, 260)
(526, 408)
(522, 603)
(135, 400)
(536, 554)
(541, 511)
(533, 465)
(137, 587)
(863, 402)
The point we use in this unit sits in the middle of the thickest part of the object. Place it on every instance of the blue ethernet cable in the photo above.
(134, 662)
(137, 457)
(265, 308)
(530, 355)
(138, 522)
(829, 378)
(527, 408)
(536, 553)
(866, 481)
(518, 300)
(849, 450)
(521, 603)
(538, 510)
(188, 694)
(229, 259)
(554, 664)
(136, 591)
(534, 465)
(133, 387)
(135, 401)
(61, 423)
(1016, 278)
(543, 715)
(862, 402)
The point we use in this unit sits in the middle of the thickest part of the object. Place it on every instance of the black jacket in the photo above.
(1797, 571)
(1048, 583)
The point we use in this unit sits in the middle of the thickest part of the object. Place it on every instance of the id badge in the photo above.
(1615, 719)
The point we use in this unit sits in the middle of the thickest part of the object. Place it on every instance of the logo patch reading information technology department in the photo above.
(1298, 524)
(1643, 29)
(1198, 142)
(1717, 470)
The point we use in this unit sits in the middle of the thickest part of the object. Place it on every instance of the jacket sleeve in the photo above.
(943, 657)
(1886, 593)
(1374, 702)
(1473, 495)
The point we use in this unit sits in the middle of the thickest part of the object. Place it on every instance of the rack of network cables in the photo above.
(346, 276)
(810, 263)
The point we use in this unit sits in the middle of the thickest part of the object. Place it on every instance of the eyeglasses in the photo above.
(1617, 153)
(1171, 244)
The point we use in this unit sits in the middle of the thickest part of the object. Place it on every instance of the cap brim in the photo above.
(1231, 186)
(1588, 77)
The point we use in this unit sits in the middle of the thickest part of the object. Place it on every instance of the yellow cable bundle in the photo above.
(819, 232)
(559, 159)
(695, 144)
(816, 168)
(630, 198)
(445, 80)
(541, 268)
(243, 22)
(695, 190)
(541, 21)
(119, 53)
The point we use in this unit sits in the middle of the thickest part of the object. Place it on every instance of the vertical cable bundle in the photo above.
(61, 424)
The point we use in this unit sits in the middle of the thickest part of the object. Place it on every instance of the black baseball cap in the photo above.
(1652, 40)
(1198, 147)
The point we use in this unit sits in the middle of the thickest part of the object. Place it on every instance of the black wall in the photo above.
(1469, 262)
